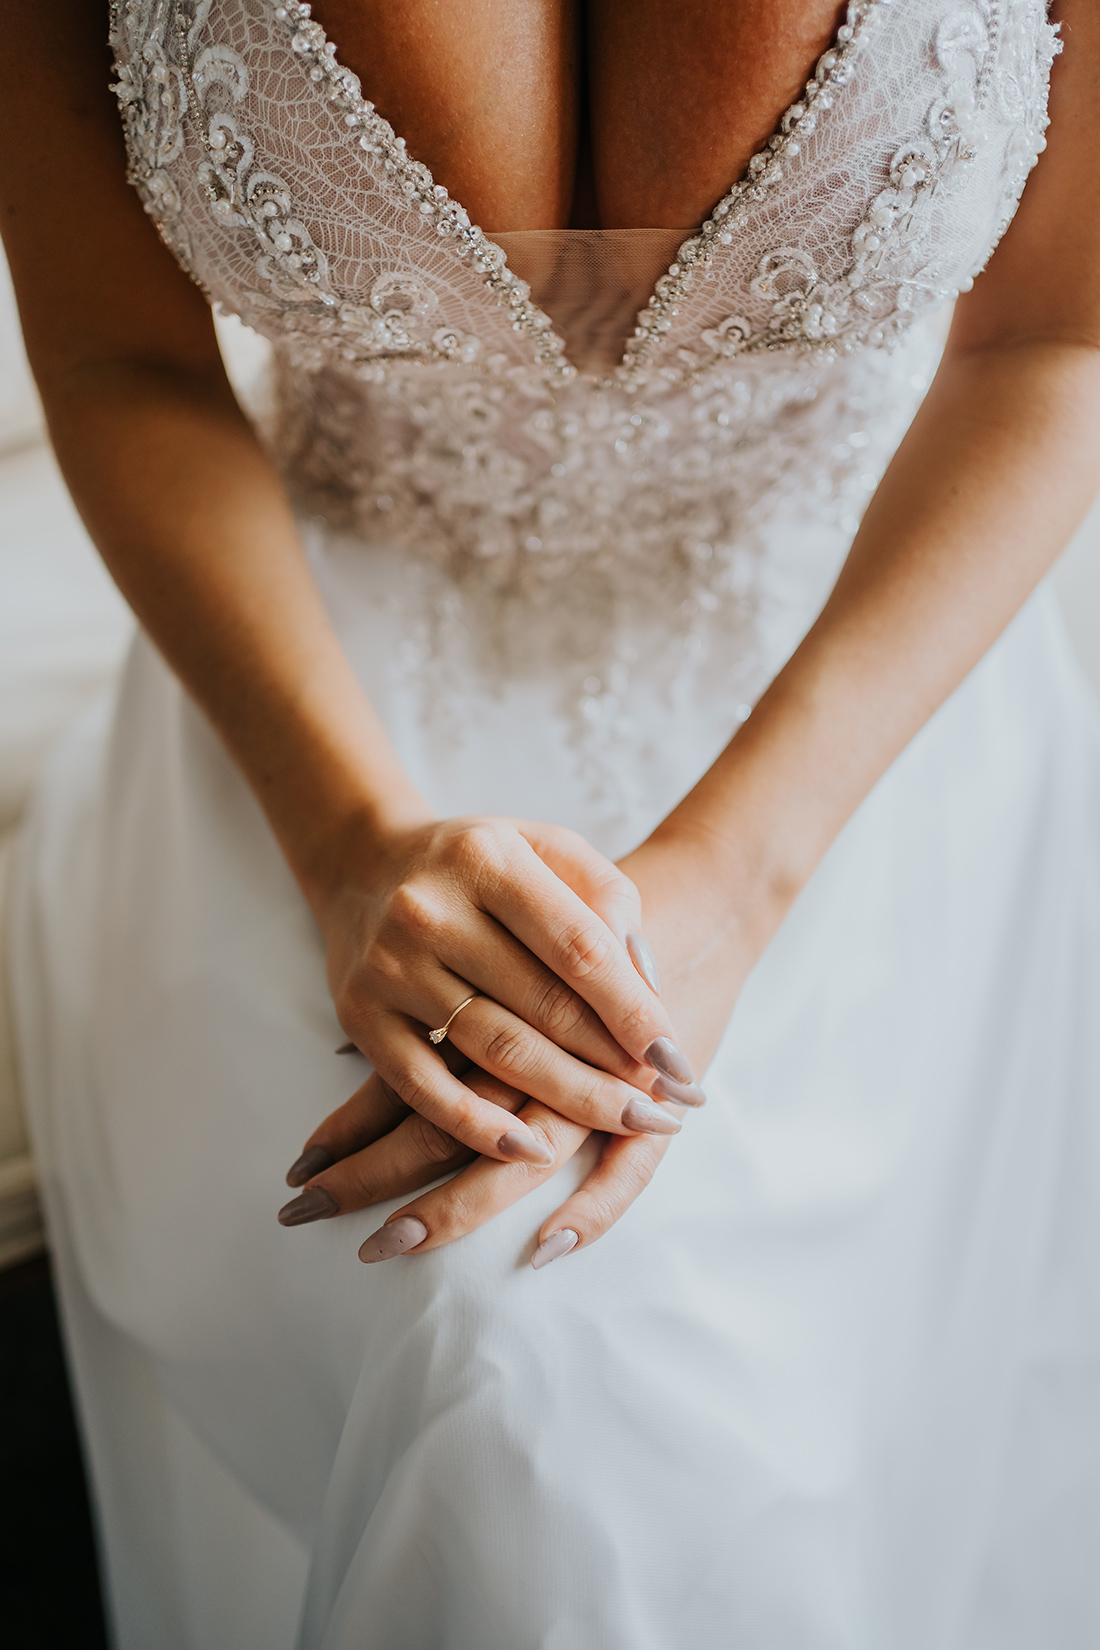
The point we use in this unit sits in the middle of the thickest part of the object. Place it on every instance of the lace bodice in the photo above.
(425, 399)
(292, 202)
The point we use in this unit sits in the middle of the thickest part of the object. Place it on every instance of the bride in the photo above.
(604, 671)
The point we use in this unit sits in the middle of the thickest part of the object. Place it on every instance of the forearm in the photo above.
(196, 529)
(995, 474)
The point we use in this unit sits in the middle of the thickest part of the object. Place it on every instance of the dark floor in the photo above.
(49, 1590)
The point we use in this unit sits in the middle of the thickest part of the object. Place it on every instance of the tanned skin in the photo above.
(635, 113)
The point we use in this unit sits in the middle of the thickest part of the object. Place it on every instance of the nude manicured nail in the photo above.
(684, 1094)
(312, 1161)
(643, 1115)
(556, 1245)
(665, 1057)
(313, 1204)
(524, 1148)
(401, 1234)
(644, 961)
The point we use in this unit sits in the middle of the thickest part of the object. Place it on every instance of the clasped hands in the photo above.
(566, 1033)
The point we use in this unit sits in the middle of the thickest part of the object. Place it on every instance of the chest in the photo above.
(881, 192)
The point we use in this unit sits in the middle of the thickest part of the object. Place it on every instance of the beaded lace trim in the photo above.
(413, 180)
(342, 89)
(248, 197)
(870, 302)
(832, 73)
(622, 527)
(883, 288)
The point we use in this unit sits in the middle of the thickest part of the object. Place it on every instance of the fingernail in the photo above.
(665, 1057)
(647, 1118)
(311, 1162)
(524, 1148)
(684, 1094)
(644, 961)
(347, 1048)
(401, 1234)
(556, 1245)
(314, 1204)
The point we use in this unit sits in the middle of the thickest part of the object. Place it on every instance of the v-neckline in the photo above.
(764, 169)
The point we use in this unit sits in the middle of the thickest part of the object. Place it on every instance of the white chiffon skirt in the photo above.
(833, 1383)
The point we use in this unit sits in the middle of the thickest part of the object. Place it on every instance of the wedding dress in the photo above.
(831, 1383)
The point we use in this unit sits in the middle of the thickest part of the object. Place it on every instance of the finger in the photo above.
(500, 1042)
(593, 877)
(638, 950)
(495, 963)
(373, 1110)
(577, 945)
(482, 1191)
(489, 1036)
(410, 1066)
(625, 1169)
(474, 1196)
(409, 1156)
(456, 1063)
(600, 884)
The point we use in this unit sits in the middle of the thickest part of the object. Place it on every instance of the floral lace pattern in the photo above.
(156, 89)
(987, 53)
(423, 401)
(890, 278)
(834, 71)
(609, 538)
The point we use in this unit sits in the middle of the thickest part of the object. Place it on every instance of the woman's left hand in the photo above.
(373, 1148)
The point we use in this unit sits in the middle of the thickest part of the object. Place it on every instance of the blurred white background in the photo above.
(63, 631)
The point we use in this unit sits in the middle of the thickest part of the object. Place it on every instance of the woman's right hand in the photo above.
(500, 910)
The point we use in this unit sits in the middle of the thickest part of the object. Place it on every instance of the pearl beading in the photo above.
(875, 298)
(620, 525)
(413, 180)
(834, 71)
(883, 288)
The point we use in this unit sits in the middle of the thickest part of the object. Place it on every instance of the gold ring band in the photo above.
(440, 1032)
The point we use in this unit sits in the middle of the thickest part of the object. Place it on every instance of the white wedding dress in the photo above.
(832, 1383)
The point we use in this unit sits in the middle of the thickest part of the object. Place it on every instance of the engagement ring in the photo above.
(440, 1032)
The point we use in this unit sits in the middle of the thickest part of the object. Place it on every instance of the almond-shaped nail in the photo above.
(522, 1147)
(401, 1234)
(556, 1245)
(312, 1161)
(313, 1204)
(643, 1115)
(665, 1057)
(684, 1094)
(644, 961)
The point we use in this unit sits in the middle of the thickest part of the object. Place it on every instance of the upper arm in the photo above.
(93, 279)
(1044, 279)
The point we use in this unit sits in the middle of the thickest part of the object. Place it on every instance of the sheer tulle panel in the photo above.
(591, 282)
